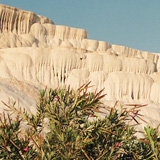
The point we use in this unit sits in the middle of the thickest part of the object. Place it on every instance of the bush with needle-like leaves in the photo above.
(75, 130)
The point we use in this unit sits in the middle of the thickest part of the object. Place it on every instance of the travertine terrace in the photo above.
(34, 53)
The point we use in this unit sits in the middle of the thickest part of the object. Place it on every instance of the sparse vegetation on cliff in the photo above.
(75, 130)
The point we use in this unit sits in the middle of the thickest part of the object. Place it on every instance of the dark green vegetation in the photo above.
(70, 133)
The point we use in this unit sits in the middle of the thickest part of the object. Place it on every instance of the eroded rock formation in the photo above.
(35, 53)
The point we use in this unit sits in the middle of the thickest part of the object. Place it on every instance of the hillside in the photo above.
(34, 53)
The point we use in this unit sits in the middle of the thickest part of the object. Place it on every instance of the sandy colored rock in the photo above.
(34, 53)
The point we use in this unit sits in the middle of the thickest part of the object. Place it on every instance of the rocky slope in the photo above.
(34, 53)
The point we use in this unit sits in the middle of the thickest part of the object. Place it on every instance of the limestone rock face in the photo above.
(19, 21)
(34, 53)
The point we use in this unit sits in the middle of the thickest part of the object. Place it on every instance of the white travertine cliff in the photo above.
(19, 21)
(34, 53)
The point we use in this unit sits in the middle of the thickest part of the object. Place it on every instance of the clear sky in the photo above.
(132, 23)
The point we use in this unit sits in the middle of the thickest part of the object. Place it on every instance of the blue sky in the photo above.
(132, 23)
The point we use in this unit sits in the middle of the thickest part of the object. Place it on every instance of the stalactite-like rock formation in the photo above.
(34, 52)
(18, 21)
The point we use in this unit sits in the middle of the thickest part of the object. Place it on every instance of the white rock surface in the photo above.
(35, 53)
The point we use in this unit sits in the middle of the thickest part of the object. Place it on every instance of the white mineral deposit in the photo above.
(34, 53)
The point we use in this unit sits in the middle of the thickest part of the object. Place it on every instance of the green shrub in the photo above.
(75, 130)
